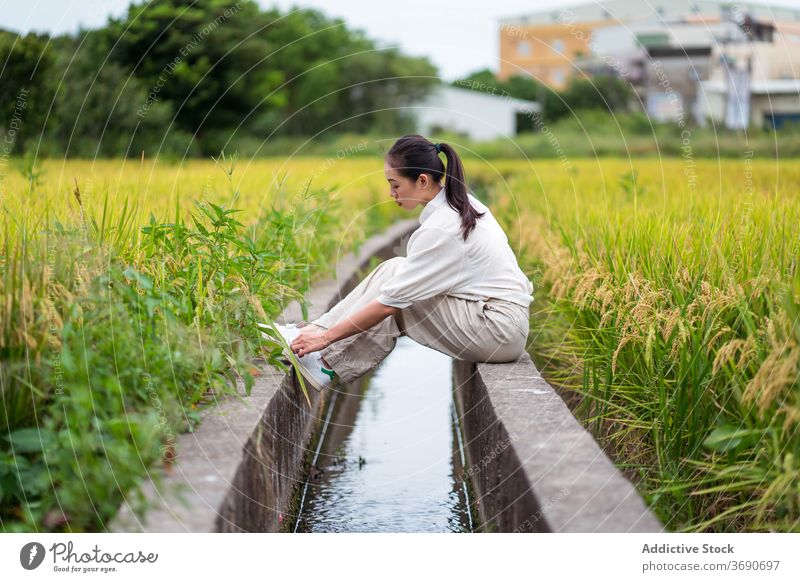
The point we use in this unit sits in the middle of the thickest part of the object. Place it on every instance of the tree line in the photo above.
(192, 78)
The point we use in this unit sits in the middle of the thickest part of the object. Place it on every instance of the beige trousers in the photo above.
(477, 331)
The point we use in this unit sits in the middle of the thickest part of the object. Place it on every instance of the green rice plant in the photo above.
(674, 315)
(113, 334)
(119, 382)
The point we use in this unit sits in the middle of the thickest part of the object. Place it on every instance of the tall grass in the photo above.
(674, 314)
(116, 330)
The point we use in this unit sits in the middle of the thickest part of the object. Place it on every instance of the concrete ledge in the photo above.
(531, 464)
(238, 470)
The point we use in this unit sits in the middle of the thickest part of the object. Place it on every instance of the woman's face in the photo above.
(407, 193)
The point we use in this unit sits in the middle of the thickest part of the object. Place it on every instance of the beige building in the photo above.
(761, 104)
(547, 52)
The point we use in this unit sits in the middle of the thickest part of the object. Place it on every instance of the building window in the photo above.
(523, 48)
(557, 77)
(558, 46)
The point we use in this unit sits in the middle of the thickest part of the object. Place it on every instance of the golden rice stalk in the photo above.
(670, 321)
(791, 418)
(710, 344)
(681, 339)
(778, 372)
(745, 348)
(622, 342)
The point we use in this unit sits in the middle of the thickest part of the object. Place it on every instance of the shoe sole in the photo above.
(306, 374)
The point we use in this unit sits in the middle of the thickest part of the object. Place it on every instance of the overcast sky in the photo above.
(459, 36)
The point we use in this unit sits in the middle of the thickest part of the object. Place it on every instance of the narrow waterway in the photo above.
(390, 458)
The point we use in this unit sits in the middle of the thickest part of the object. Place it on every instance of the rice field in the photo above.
(668, 299)
(129, 297)
(666, 311)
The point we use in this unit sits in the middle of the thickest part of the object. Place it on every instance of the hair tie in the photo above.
(438, 147)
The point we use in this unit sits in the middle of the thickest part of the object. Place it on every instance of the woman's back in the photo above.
(488, 267)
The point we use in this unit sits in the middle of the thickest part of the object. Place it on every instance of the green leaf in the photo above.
(65, 356)
(30, 440)
(728, 437)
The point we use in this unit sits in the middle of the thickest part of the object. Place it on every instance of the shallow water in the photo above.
(390, 458)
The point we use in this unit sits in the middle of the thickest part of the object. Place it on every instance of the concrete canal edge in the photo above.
(534, 468)
(529, 462)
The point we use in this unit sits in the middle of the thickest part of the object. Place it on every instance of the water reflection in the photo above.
(390, 457)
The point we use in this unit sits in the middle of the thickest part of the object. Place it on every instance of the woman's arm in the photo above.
(371, 314)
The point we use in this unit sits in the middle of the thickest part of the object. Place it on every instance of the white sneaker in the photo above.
(288, 331)
(310, 365)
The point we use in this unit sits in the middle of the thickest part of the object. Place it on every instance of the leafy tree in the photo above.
(382, 84)
(171, 73)
(101, 109)
(337, 79)
(599, 92)
(478, 80)
(25, 90)
(209, 58)
(229, 66)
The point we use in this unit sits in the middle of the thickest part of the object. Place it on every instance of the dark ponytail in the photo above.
(412, 155)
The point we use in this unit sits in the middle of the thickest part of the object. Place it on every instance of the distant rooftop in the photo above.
(653, 10)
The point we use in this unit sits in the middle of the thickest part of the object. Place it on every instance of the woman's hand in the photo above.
(309, 341)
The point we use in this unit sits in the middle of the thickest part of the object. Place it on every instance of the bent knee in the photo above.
(389, 265)
(503, 353)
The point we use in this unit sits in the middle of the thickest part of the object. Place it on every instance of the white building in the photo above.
(477, 115)
(756, 104)
(753, 83)
(682, 57)
(704, 65)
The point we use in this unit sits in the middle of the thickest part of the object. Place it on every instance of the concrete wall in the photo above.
(532, 465)
(764, 106)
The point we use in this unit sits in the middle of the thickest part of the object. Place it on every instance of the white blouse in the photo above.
(439, 261)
